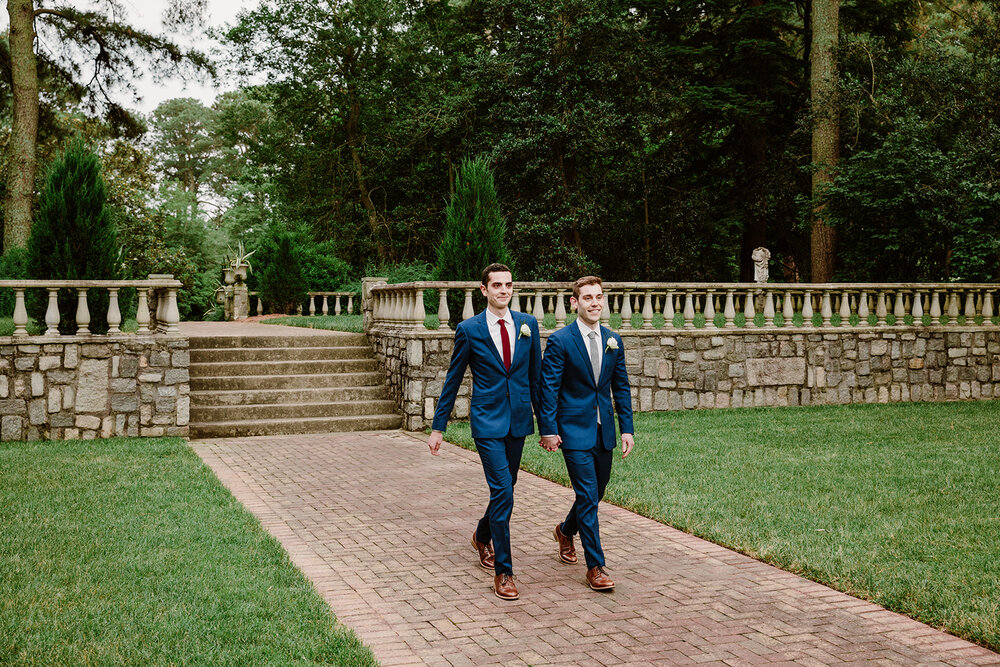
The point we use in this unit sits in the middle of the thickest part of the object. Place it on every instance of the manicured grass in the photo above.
(333, 322)
(898, 504)
(131, 552)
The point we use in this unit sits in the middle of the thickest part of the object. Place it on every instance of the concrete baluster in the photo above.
(419, 312)
(749, 311)
(82, 312)
(710, 310)
(141, 311)
(688, 309)
(647, 311)
(988, 307)
(807, 309)
(845, 309)
(769, 309)
(538, 312)
(350, 304)
(953, 300)
(788, 308)
(260, 305)
(172, 316)
(560, 309)
(20, 313)
(606, 311)
(325, 308)
(627, 311)
(899, 308)
(880, 309)
(515, 301)
(312, 304)
(917, 310)
(826, 309)
(467, 310)
(409, 308)
(114, 313)
(935, 311)
(729, 311)
(52, 313)
(863, 311)
(668, 310)
(970, 308)
(443, 313)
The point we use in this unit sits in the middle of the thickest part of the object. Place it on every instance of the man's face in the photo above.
(589, 304)
(498, 289)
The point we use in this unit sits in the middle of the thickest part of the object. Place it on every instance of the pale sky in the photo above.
(146, 14)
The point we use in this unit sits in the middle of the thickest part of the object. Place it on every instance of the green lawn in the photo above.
(333, 322)
(131, 552)
(898, 504)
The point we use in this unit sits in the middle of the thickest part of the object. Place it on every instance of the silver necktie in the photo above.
(595, 358)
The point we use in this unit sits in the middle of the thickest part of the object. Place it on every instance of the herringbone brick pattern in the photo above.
(382, 528)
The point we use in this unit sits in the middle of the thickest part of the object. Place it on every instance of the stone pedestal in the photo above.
(241, 302)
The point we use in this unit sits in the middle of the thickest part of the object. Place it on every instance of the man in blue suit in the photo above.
(503, 350)
(584, 366)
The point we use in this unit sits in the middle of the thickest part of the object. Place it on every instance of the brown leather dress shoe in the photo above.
(503, 586)
(599, 580)
(567, 552)
(486, 557)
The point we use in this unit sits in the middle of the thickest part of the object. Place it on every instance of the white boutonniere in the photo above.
(612, 344)
(525, 331)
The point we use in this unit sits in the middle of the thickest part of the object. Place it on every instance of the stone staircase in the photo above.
(279, 385)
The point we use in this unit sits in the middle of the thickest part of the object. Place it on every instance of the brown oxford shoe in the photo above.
(567, 552)
(599, 580)
(504, 588)
(486, 557)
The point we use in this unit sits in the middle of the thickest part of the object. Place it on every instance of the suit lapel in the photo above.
(484, 333)
(607, 357)
(519, 343)
(581, 348)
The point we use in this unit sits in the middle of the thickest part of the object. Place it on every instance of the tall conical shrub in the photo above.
(280, 282)
(73, 237)
(473, 230)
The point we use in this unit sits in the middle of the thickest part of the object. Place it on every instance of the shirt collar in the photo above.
(492, 319)
(585, 330)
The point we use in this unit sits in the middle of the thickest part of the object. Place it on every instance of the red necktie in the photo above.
(504, 344)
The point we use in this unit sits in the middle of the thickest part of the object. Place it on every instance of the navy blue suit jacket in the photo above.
(571, 396)
(502, 401)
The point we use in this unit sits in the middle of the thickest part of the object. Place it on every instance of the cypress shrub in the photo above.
(73, 238)
(473, 232)
(280, 281)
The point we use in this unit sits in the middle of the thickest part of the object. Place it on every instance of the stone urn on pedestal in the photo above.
(240, 268)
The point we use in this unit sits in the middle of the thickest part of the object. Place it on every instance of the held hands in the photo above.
(550, 443)
(627, 444)
(434, 442)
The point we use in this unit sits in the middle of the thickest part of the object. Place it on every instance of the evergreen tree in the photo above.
(73, 238)
(280, 283)
(473, 230)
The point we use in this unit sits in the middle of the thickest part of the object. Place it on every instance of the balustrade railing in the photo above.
(658, 306)
(156, 307)
(324, 308)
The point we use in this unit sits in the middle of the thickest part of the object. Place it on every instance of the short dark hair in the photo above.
(493, 268)
(583, 282)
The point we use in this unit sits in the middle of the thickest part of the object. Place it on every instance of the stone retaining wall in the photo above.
(60, 389)
(685, 369)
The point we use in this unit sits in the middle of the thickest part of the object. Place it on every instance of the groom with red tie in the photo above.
(503, 350)
(584, 367)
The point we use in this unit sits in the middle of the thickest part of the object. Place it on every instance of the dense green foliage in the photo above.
(130, 552)
(73, 237)
(13, 265)
(280, 283)
(851, 496)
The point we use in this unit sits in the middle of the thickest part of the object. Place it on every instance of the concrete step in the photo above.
(331, 339)
(254, 412)
(301, 381)
(276, 396)
(277, 368)
(229, 429)
(219, 355)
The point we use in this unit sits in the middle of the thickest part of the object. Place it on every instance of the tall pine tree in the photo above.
(473, 230)
(73, 237)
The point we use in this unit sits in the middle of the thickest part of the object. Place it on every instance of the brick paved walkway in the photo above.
(382, 529)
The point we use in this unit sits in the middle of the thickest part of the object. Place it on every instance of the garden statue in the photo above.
(760, 256)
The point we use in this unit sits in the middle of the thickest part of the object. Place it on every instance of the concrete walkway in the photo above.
(382, 528)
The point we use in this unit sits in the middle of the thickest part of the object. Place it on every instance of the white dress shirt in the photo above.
(493, 323)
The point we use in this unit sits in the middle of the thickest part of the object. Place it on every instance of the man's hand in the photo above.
(627, 444)
(434, 442)
(550, 443)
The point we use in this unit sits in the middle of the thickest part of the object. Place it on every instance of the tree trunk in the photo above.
(353, 121)
(826, 130)
(24, 130)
